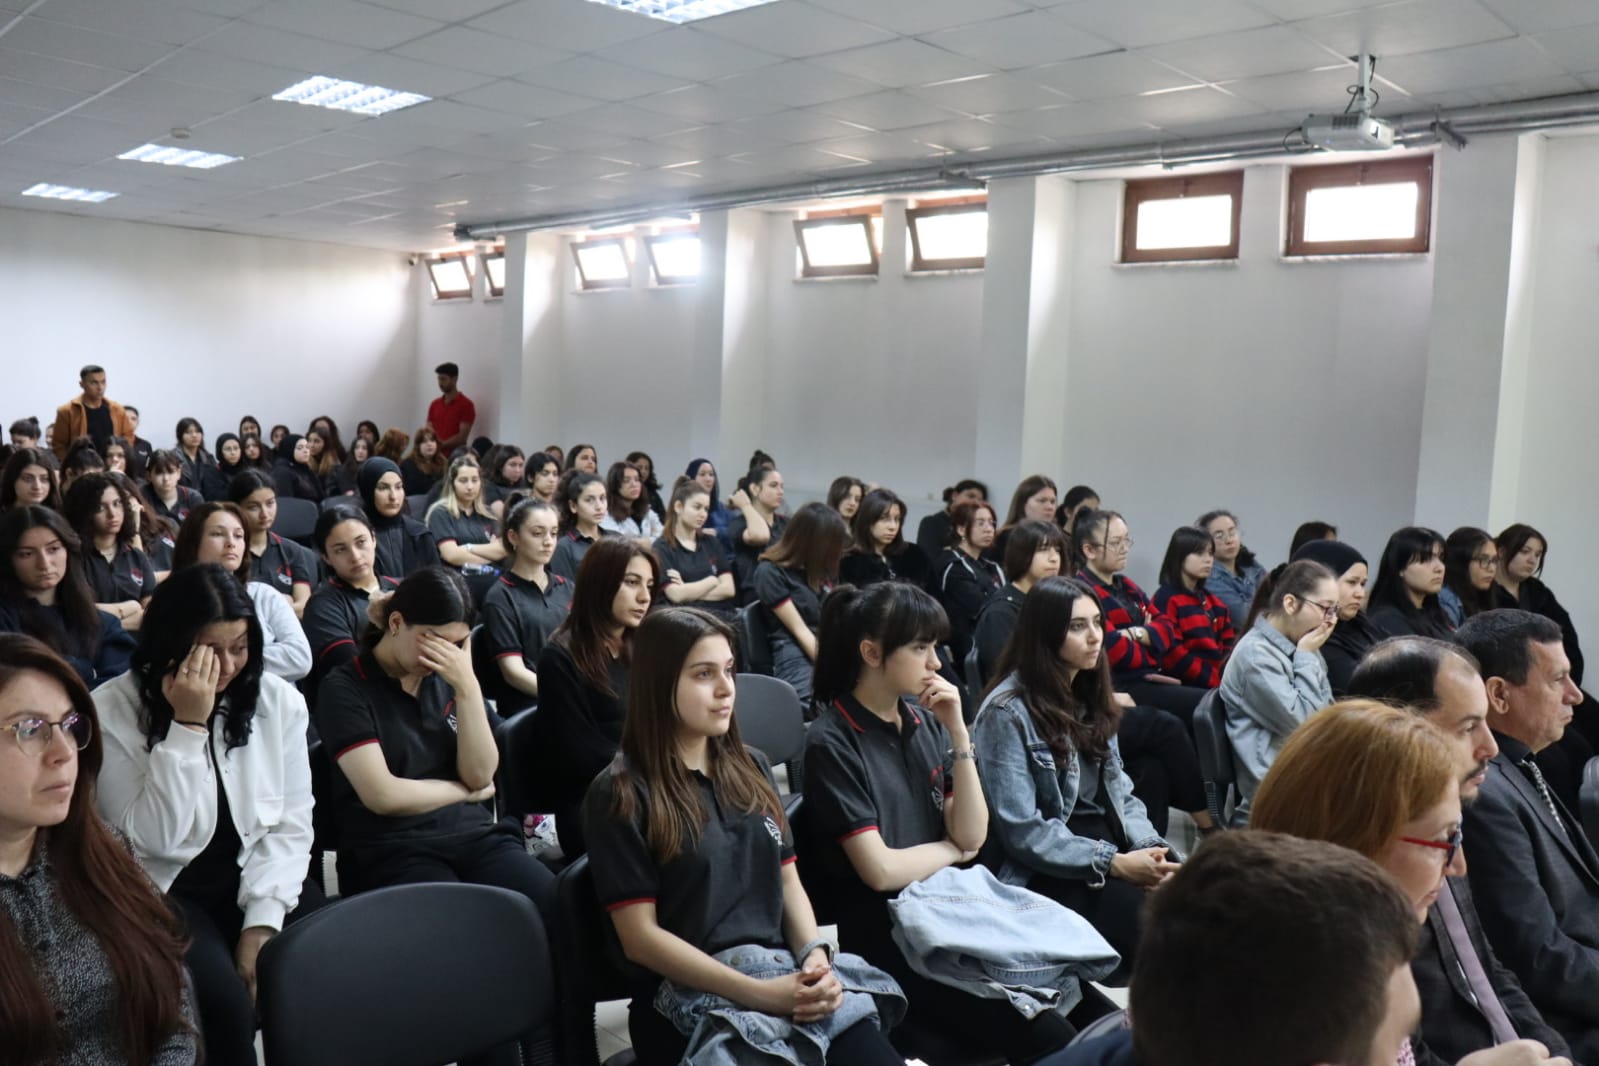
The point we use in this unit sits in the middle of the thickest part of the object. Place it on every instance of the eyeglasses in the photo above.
(1451, 846)
(1114, 545)
(33, 735)
(1328, 610)
(1487, 562)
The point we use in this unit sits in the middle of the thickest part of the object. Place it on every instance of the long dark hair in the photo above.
(683, 490)
(186, 551)
(599, 577)
(576, 450)
(891, 612)
(1085, 527)
(184, 604)
(432, 596)
(20, 460)
(1510, 540)
(1185, 541)
(1246, 558)
(76, 630)
(874, 506)
(1309, 531)
(1029, 487)
(619, 507)
(839, 490)
(1460, 547)
(1406, 546)
(813, 542)
(674, 815)
(1026, 540)
(569, 490)
(83, 504)
(105, 890)
(1071, 713)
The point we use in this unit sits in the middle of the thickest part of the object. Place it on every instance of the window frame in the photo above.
(818, 220)
(659, 279)
(1302, 180)
(584, 283)
(495, 292)
(1139, 191)
(442, 295)
(922, 265)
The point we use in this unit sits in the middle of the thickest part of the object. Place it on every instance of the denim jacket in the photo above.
(1030, 797)
(723, 1033)
(965, 929)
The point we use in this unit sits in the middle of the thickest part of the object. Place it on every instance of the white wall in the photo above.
(465, 332)
(190, 322)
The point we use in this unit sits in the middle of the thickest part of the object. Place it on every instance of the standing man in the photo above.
(89, 414)
(452, 414)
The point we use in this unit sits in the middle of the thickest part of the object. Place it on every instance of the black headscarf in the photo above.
(1335, 555)
(229, 469)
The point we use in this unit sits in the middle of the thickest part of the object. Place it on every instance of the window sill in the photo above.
(837, 278)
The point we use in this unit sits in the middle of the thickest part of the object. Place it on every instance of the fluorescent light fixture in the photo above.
(681, 11)
(67, 192)
(322, 91)
(178, 157)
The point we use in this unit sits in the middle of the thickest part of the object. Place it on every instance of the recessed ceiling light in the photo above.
(680, 11)
(178, 157)
(67, 192)
(322, 91)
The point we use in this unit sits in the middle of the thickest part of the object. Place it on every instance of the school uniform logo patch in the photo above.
(773, 829)
(283, 577)
(937, 790)
(137, 575)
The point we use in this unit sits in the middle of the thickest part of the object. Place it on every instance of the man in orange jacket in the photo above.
(90, 415)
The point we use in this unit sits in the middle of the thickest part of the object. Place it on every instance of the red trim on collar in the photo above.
(838, 705)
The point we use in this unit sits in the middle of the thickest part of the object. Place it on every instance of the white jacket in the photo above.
(285, 651)
(165, 798)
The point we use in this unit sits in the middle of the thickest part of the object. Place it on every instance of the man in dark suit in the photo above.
(1533, 872)
(1469, 1001)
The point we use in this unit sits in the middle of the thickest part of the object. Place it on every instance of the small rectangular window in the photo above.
(1176, 219)
(948, 236)
(603, 263)
(451, 274)
(674, 257)
(1361, 208)
(494, 271)
(837, 246)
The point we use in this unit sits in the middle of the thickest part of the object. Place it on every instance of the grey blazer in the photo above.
(1536, 887)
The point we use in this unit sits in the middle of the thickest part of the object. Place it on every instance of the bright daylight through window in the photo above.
(680, 11)
(674, 258)
(603, 263)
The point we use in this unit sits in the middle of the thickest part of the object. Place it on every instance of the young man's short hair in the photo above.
(1404, 670)
(90, 369)
(1265, 949)
(448, 370)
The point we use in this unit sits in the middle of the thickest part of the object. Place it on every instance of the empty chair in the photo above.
(1215, 755)
(417, 506)
(771, 720)
(755, 644)
(591, 966)
(413, 975)
(296, 519)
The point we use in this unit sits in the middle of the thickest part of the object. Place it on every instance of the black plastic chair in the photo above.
(755, 644)
(1104, 1025)
(416, 506)
(324, 831)
(519, 790)
(296, 519)
(341, 500)
(974, 671)
(1588, 796)
(414, 975)
(591, 966)
(772, 719)
(1216, 761)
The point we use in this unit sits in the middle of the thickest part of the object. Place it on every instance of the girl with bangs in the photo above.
(1404, 600)
(880, 551)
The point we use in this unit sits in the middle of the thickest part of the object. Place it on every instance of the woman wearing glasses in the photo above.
(1276, 678)
(1471, 562)
(1236, 574)
(206, 772)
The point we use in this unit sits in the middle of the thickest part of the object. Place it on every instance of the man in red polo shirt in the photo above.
(451, 415)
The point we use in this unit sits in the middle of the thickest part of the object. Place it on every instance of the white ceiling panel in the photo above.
(875, 147)
(1290, 10)
(575, 27)
(795, 29)
(1063, 122)
(1576, 49)
(211, 70)
(1175, 111)
(55, 72)
(982, 96)
(559, 136)
(61, 41)
(278, 48)
(799, 126)
(888, 110)
(625, 120)
(1528, 16)
(1024, 40)
(1105, 76)
(411, 75)
(685, 52)
(797, 84)
(600, 79)
(229, 8)
(345, 21)
(649, 154)
(1147, 22)
(157, 21)
(1318, 91)
(151, 106)
(458, 46)
(40, 97)
(961, 134)
(914, 17)
(74, 139)
(711, 141)
(1272, 50)
(1495, 63)
(442, 10)
(700, 105)
(14, 120)
(530, 101)
(902, 62)
(1410, 26)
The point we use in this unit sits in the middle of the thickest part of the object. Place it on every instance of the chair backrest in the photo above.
(1216, 766)
(519, 791)
(1588, 796)
(589, 960)
(755, 646)
(974, 671)
(1114, 1022)
(340, 500)
(413, 975)
(296, 519)
(417, 506)
(770, 717)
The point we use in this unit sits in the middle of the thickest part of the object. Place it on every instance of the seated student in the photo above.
(153, 535)
(93, 955)
(693, 857)
(327, 455)
(256, 455)
(1033, 501)
(695, 567)
(276, 435)
(878, 549)
(628, 510)
(28, 481)
(793, 577)
(1471, 559)
(583, 677)
(704, 472)
(966, 580)
(1036, 550)
(1314, 938)
(1468, 1000)
(936, 532)
(206, 772)
(1355, 634)
(1276, 678)
(892, 796)
(543, 476)
(1311, 531)
(526, 604)
(197, 463)
(336, 614)
(282, 564)
(249, 426)
(230, 456)
(466, 532)
(1202, 625)
(1137, 638)
(1063, 820)
(1404, 599)
(1078, 498)
(652, 484)
(756, 524)
(844, 496)
(583, 458)
(162, 492)
(583, 505)
(505, 473)
(404, 544)
(120, 458)
(1519, 583)
(120, 575)
(1533, 872)
(81, 459)
(292, 473)
(43, 593)
(214, 533)
(348, 473)
(1236, 574)
(25, 433)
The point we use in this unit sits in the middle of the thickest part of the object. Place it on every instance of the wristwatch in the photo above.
(965, 753)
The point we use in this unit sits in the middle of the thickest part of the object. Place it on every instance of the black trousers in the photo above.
(227, 1014)
(1158, 752)
(1115, 910)
(657, 1043)
(1178, 699)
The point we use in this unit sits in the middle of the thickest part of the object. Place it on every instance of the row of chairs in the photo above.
(296, 518)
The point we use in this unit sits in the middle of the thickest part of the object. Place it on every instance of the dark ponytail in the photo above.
(1297, 579)
(892, 613)
(431, 596)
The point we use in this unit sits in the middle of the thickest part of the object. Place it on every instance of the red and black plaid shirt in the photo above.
(1125, 606)
(1205, 635)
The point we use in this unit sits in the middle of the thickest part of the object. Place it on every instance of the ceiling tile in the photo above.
(600, 79)
(571, 137)
(255, 43)
(475, 50)
(56, 73)
(159, 105)
(345, 21)
(146, 20)
(1068, 121)
(74, 139)
(1545, 14)
(731, 139)
(961, 134)
(686, 52)
(887, 110)
(700, 105)
(44, 98)
(210, 70)
(1312, 91)
(793, 85)
(885, 148)
(1024, 40)
(1102, 77)
(985, 95)
(627, 120)
(1403, 28)
(1147, 22)
(1171, 110)
(531, 101)
(1495, 63)
(648, 154)
(800, 126)
(903, 62)
(441, 10)
(13, 120)
(451, 114)
(61, 41)
(1574, 49)
(411, 75)
(914, 17)
(1272, 50)
(576, 27)
(795, 29)
(797, 159)
(1304, 9)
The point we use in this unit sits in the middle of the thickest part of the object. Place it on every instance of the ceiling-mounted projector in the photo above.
(1357, 129)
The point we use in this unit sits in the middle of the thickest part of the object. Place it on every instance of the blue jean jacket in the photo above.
(723, 1033)
(965, 929)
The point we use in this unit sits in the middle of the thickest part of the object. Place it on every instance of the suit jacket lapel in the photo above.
(1568, 835)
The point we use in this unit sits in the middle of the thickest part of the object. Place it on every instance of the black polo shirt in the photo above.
(722, 890)
(708, 559)
(775, 585)
(335, 618)
(861, 773)
(570, 549)
(467, 529)
(869, 568)
(160, 550)
(358, 705)
(995, 623)
(130, 575)
(518, 618)
(747, 557)
(284, 564)
(404, 547)
(187, 501)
